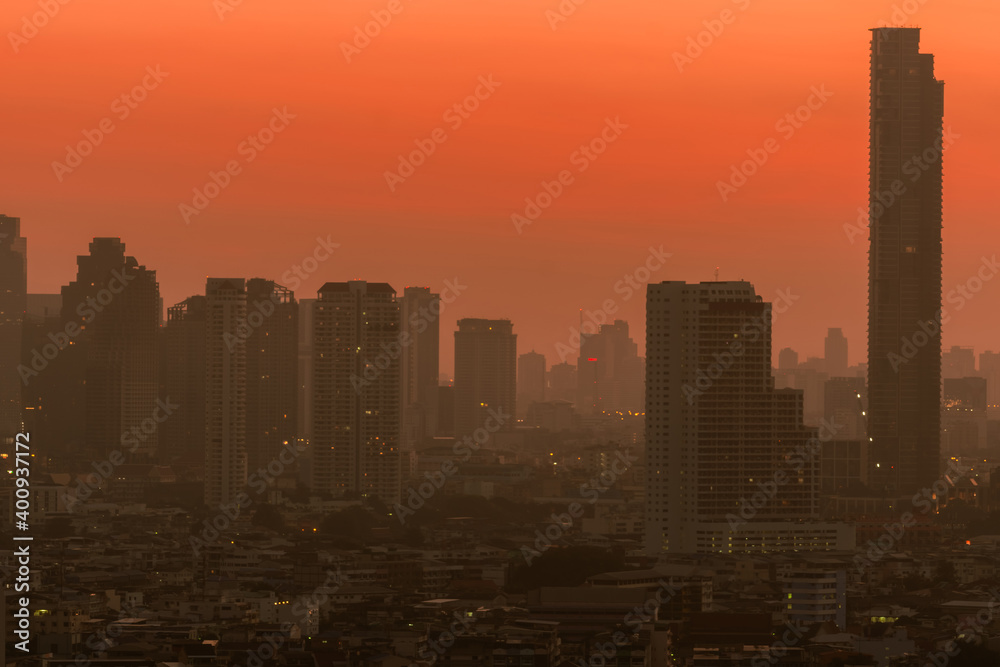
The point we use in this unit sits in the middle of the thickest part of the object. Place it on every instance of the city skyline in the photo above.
(774, 225)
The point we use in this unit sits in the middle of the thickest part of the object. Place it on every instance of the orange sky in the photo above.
(325, 173)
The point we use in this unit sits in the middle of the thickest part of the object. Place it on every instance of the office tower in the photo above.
(904, 264)
(530, 380)
(788, 359)
(305, 368)
(562, 385)
(446, 411)
(717, 432)
(609, 372)
(835, 353)
(989, 368)
(112, 356)
(225, 390)
(963, 417)
(958, 362)
(356, 421)
(420, 311)
(13, 304)
(183, 374)
(843, 403)
(485, 374)
(41, 319)
(272, 371)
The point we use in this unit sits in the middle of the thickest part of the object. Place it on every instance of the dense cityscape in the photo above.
(262, 474)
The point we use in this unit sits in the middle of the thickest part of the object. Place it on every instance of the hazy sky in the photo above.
(222, 73)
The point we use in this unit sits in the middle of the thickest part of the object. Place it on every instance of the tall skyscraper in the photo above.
(485, 373)
(958, 362)
(419, 364)
(13, 304)
(184, 381)
(835, 353)
(562, 382)
(225, 390)
(113, 359)
(609, 371)
(530, 380)
(272, 371)
(305, 368)
(356, 420)
(717, 432)
(904, 263)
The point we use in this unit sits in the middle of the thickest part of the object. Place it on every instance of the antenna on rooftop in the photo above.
(716, 274)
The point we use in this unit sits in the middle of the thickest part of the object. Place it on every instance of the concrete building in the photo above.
(225, 390)
(719, 435)
(904, 264)
(356, 402)
(419, 364)
(485, 373)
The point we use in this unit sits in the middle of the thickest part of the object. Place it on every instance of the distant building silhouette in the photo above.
(272, 371)
(419, 364)
(225, 390)
(562, 383)
(113, 361)
(530, 380)
(485, 373)
(609, 371)
(904, 264)
(958, 362)
(835, 353)
(963, 417)
(356, 402)
(184, 382)
(13, 304)
(788, 359)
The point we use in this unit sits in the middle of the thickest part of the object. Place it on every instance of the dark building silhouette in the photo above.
(13, 304)
(225, 390)
(609, 371)
(272, 371)
(355, 435)
(420, 310)
(112, 361)
(835, 353)
(562, 383)
(485, 373)
(530, 380)
(904, 263)
(183, 378)
(964, 424)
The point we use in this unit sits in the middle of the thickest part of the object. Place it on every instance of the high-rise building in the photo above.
(485, 373)
(419, 367)
(530, 380)
(225, 390)
(904, 263)
(835, 353)
(356, 421)
(788, 359)
(183, 376)
(562, 383)
(305, 368)
(958, 362)
(272, 371)
(13, 304)
(113, 361)
(609, 371)
(989, 368)
(717, 432)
